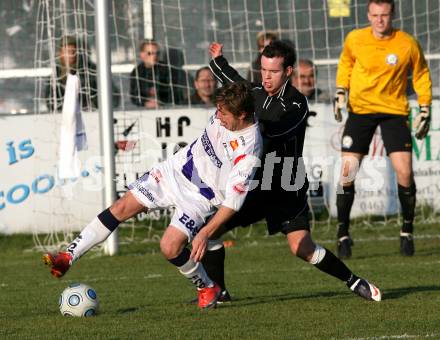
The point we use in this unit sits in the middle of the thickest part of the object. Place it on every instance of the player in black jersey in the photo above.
(281, 196)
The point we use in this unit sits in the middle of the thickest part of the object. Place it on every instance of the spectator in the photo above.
(149, 80)
(70, 61)
(263, 39)
(205, 85)
(304, 77)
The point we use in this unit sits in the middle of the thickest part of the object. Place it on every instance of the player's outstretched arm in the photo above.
(216, 50)
(224, 72)
(200, 242)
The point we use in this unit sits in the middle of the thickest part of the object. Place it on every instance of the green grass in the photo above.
(276, 296)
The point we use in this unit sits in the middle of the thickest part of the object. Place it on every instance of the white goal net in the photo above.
(183, 30)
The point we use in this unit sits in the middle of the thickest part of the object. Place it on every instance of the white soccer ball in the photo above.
(78, 299)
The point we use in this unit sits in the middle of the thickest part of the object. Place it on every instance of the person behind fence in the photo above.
(73, 58)
(214, 171)
(373, 68)
(204, 85)
(304, 79)
(150, 79)
(281, 196)
(263, 39)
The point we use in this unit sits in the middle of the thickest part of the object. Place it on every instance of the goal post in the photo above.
(106, 113)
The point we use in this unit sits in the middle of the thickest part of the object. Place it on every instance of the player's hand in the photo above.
(338, 103)
(422, 121)
(199, 245)
(215, 49)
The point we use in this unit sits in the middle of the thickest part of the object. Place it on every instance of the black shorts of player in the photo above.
(360, 128)
(284, 211)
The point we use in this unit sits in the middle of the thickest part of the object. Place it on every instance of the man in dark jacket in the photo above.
(73, 60)
(150, 80)
(205, 84)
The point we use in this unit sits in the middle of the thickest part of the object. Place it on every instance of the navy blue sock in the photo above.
(108, 220)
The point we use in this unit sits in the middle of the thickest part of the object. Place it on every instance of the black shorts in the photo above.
(284, 211)
(360, 128)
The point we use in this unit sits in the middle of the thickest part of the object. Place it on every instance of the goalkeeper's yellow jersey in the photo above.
(375, 72)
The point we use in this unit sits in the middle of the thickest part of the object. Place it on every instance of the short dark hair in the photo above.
(278, 48)
(390, 2)
(148, 42)
(68, 40)
(237, 98)
(205, 68)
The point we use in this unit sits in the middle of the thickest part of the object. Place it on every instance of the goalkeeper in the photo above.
(373, 69)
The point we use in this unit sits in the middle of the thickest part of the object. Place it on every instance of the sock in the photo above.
(94, 233)
(193, 271)
(351, 281)
(407, 198)
(214, 262)
(344, 202)
(326, 261)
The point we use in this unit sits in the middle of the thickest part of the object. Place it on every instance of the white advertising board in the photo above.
(34, 199)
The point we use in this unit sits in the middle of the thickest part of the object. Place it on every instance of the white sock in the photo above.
(195, 272)
(95, 232)
(318, 255)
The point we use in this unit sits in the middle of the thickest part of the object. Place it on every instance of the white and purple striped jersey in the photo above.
(221, 163)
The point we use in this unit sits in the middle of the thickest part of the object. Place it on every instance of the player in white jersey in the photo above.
(206, 181)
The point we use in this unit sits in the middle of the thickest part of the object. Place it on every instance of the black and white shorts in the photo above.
(360, 128)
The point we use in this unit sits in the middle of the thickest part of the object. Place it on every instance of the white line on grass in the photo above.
(402, 336)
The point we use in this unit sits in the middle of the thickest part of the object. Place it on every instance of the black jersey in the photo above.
(283, 117)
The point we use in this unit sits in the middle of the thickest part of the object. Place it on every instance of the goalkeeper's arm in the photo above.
(422, 121)
(339, 103)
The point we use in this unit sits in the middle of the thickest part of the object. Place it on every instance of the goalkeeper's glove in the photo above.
(421, 122)
(338, 103)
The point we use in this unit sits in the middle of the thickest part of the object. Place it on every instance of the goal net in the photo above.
(183, 30)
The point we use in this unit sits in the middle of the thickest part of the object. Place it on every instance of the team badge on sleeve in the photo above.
(347, 142)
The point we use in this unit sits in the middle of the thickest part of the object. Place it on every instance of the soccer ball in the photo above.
(78, 299)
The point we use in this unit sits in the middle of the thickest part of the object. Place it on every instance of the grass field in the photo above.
(276, 296)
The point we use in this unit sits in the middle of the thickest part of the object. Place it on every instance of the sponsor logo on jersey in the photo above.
(145, 191)
(239, 188)
(347, 142)
(391, 59)
(156, 174)
(243, 141)
(244, 174)
(225, 145)
(234, 144)
(209, 149)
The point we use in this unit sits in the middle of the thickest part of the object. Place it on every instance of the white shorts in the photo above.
(163, 187)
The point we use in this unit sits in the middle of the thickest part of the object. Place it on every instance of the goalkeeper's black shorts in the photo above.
(284, 211)
(359, 131)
